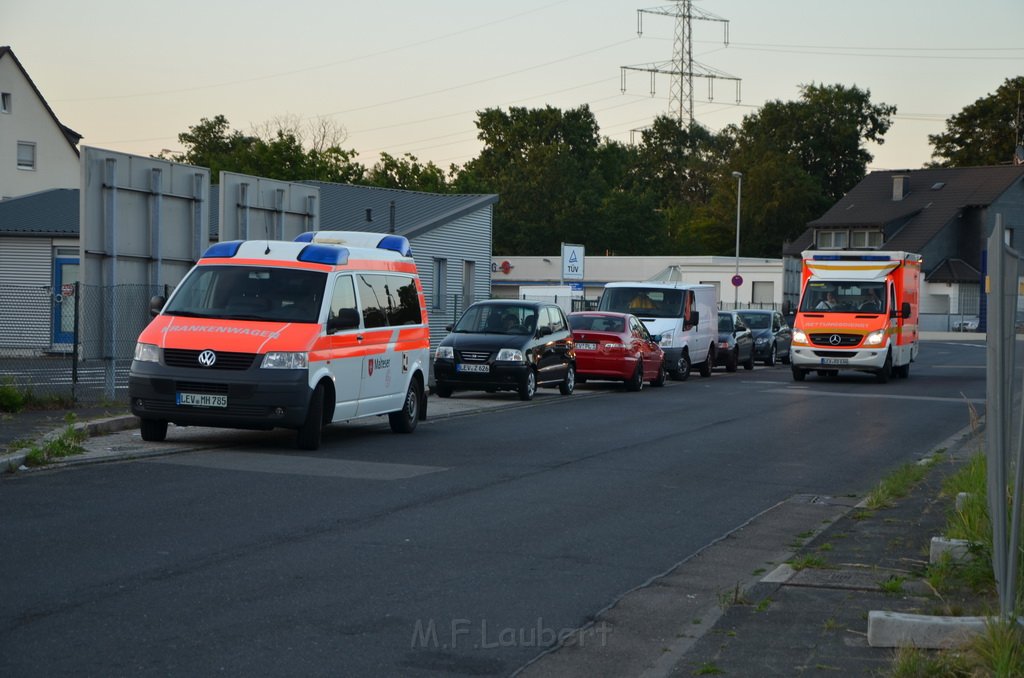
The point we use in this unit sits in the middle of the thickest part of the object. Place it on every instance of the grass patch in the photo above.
(810, 561)
(67, 443)
(708, 669)
(893, 586)
(897, 484)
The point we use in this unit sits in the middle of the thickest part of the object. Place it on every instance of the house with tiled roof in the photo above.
(38, 151)
(943, 214)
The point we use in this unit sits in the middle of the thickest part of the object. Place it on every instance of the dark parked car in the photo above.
(616, 347)
(735, 342)
(507, 345)
(772, 336)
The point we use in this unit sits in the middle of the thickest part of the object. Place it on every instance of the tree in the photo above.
(983, 133)
(277, 155)
(407, 173)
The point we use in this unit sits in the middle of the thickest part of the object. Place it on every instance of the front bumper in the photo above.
(256, 398)
(818, 358)
(500, 376)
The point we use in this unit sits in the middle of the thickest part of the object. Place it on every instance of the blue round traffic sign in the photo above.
(737, 280)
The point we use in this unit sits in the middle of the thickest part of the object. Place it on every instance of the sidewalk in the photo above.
(733, 609)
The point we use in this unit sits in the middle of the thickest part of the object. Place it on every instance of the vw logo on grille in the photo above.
(835, 340)
(207, 358)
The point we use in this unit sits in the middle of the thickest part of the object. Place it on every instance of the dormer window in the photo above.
(832, 240)
(864, 239)
(5, 102)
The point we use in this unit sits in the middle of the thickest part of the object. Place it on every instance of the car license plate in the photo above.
(585, 346)
(835, 361)
(462, 367)
(202, 400)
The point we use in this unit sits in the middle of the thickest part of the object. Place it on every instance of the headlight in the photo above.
(876, 338)
(147, 353)
(799, 337)
(761, 341)
(666, 340)
(723, 344)
(444, 353)
(511, 355)
(285, 360)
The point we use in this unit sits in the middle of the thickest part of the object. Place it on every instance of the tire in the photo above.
(787, 359)
(772, 355)
(528, 387)
(749, 364)
(709, 362)
(903, 371)
(153, 430)
(798, 374)
(883, 375)
(734, 361)
(682, 370)
(311, 431)
(568, 384)
(405, 419)
(636, 382)
(443, 390)
(662, 377)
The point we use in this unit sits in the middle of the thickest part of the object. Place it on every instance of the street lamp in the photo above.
(739, 197)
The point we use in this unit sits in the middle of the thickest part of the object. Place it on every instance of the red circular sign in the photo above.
(506, 267)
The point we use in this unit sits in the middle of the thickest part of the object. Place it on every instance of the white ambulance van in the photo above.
(684, 315)
(271, 334)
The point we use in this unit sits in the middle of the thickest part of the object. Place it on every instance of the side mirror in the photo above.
(448, 328)
(156, 304)
(347, 319)
(905, 310)
(544, 331)
(656, 338)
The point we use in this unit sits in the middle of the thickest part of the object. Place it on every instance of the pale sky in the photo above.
(408, 77)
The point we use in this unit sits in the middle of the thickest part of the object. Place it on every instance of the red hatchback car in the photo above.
(616, 347)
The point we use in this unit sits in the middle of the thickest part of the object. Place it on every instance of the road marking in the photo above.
(803, 390)
(298, 465)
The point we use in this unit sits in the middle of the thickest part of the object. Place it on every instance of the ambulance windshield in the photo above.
(832, 296)
(267, 294)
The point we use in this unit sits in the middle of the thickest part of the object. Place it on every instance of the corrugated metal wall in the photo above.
(465, 239)
(26, 270)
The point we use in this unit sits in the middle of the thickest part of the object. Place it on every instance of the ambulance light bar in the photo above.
(225, 249)
(855, 257)
(332, 255)
(395, 243)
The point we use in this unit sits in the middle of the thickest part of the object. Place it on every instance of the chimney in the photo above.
(900, 186)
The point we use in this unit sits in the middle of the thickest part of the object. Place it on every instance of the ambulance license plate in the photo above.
(835, 361)
(202, 400)
(463, 367)
(585, 346)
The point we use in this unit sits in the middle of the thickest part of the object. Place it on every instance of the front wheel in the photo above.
(682, 370)
(749, 363)
(153, 430)
(772, 353)
(405, 419)
(528, 387)
(798, 374)
(709, 362)
(443, 390)
(311, 431)
(883, 375)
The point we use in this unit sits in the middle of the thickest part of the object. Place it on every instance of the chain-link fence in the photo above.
(73, 344)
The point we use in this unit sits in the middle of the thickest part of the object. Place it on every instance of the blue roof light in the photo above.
(305, 237)
(331, 255)
(396, 243)
(225, 249)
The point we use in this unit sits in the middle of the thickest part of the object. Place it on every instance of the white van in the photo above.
(263, 334)
(684, 315)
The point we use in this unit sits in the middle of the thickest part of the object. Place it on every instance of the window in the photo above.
(5, 102)
(388, 300)
(865, 239)
(763, 292)
(440, 283)
(468, 274)
(26, 155)
(832, 240)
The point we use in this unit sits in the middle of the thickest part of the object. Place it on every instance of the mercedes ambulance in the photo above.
(272, 334)
(858, 311)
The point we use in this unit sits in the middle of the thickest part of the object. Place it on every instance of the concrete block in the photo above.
(959, 550)
(898, 629)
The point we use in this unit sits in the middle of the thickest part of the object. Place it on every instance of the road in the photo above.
(462, 549)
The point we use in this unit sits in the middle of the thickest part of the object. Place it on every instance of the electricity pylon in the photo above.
(682, 67)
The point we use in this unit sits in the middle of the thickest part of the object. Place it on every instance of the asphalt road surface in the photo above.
(463, 549)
